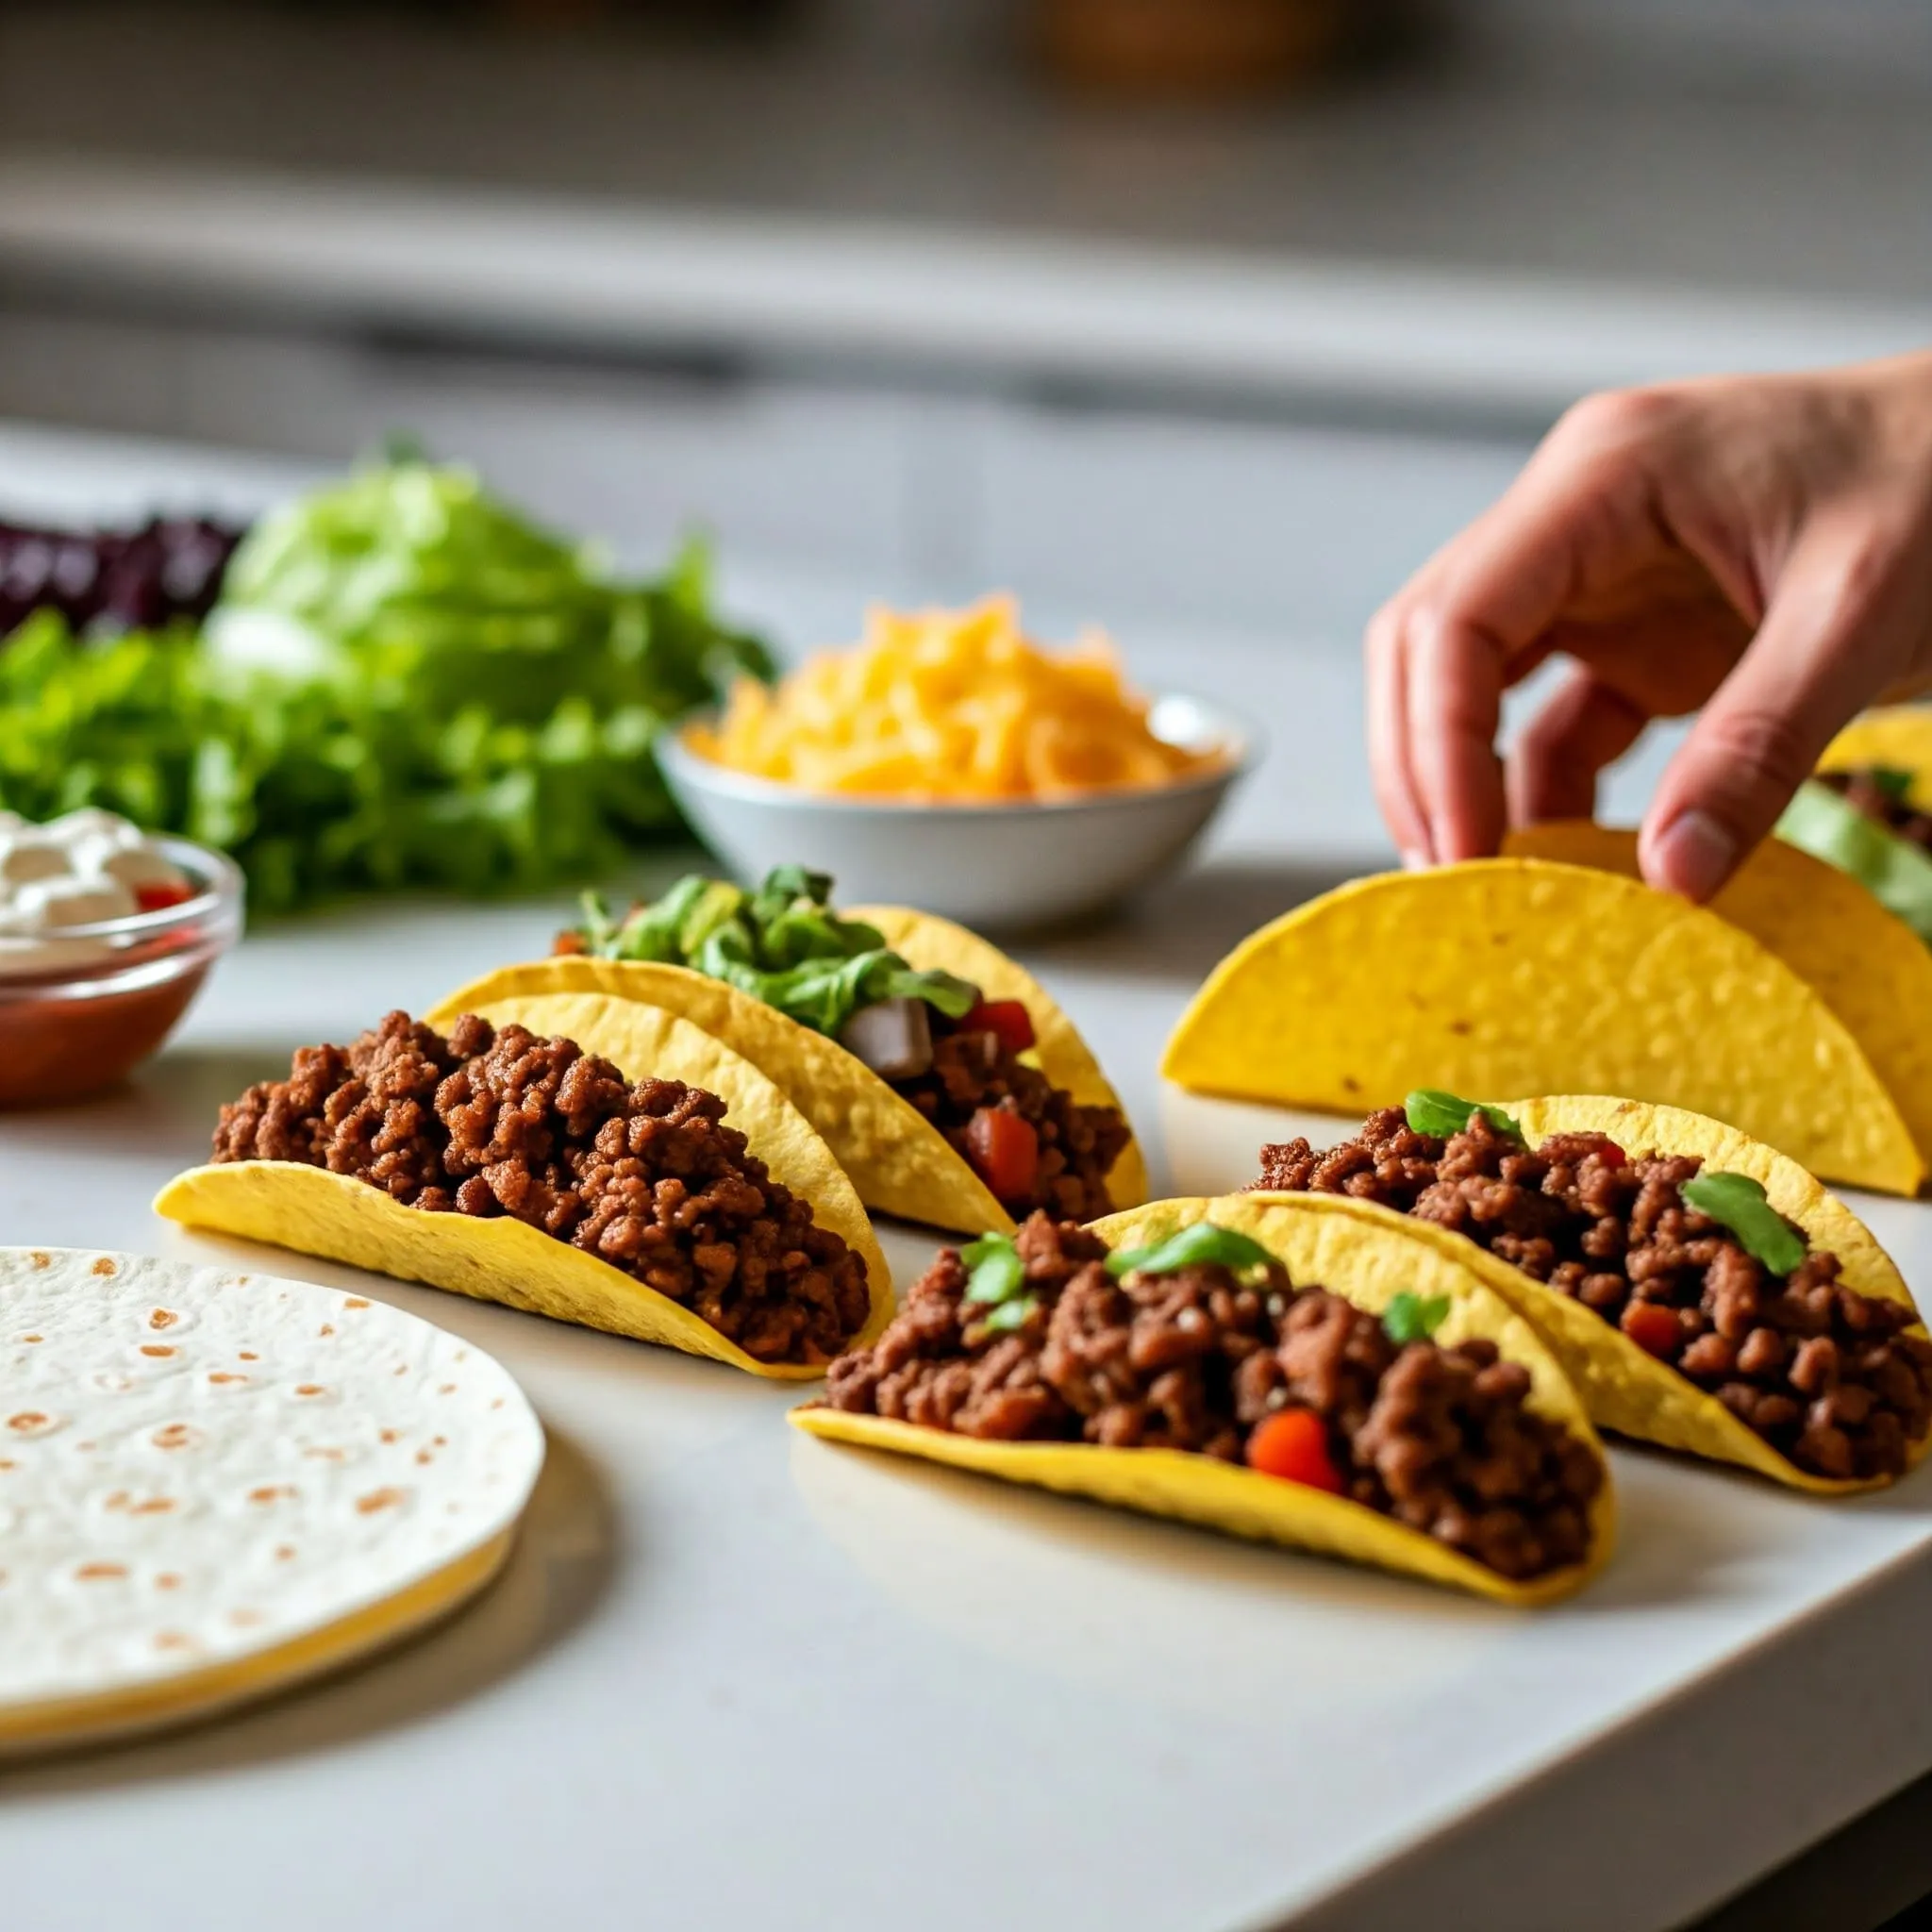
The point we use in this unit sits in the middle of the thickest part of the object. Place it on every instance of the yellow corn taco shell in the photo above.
(1364, 1254)
(1625, 1388)
(930, 943)
(1867, 965)
(343, 1219)
(1896, 735)
(1510, 975)
(901, 1163)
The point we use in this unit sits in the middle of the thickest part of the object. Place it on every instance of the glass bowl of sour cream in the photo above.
(107, 933)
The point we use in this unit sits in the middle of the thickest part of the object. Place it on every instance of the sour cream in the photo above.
(84, 870)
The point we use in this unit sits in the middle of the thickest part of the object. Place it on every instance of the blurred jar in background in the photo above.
(1192, 47)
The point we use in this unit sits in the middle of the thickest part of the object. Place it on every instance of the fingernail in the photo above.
(1694, 854)
(1414, 859)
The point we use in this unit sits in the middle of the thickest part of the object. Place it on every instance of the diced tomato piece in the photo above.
(1653, 1327)
(1010, 1018)
(1292, 1443)
(158, 895)
(1005, 1151)
(1611, 1152)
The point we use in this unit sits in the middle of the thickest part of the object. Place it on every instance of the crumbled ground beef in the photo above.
(647, 1177)
(1438, 1438)
(1822, 1373)
(1079, 1144)
(1861, 790)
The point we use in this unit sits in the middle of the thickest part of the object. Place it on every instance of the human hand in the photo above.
(1758, 547)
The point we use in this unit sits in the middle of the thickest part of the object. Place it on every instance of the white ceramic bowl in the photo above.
(993, 867)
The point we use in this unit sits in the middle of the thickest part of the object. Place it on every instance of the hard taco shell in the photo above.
(1867, 965)
(1364, 1254)
(930, 943)
(1520, 974)
(342, 1219)
(1625, 1389)
(900, 1163)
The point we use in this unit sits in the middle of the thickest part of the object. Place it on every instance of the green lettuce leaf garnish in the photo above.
(1200, 1245)
(1894, 869)
(405, 684)
(782, 944)
(1411, 1317)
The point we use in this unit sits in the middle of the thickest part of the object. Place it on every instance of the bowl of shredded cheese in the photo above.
(948, 761)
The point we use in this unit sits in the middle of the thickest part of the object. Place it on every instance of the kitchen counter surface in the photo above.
(738, 1679)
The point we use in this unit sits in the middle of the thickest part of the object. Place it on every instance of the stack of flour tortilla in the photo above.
(214, 1483)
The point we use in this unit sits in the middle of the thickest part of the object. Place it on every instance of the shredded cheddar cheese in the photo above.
(949, 707)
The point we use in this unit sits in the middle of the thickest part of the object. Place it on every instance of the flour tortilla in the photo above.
(215, 1483)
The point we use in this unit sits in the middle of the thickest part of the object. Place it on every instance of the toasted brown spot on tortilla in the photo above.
(155, 1506)
(268, 1492)
(311, 1389)
(157, 1348)
(167, 1580)
(325, 1452)
(424, 1456)
(33, 1338)
(247, 1354)
(326, 1328)
(27, 1421)
(447, 1389)
(391, 1435)
(173, 1639)
(163, 1318)
(355, 1301)
(243, 1620)
(379, 1499)
(224, 1376)
(284, 1551)
(103, 1264)
(41, 1260)
(441, 1442)
(174, 1436)
(99, 1573)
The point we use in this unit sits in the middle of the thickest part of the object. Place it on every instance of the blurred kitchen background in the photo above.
(1204, 319)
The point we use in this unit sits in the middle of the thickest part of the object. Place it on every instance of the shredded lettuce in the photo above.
(1897, 873)
(405, 684)
(782, 944)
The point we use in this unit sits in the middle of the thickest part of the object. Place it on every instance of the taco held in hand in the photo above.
(525, 1170)
(1524, 975)
(1305, 1372)
(947, 1083)
(1703, 1292)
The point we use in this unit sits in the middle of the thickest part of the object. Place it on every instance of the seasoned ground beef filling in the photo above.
(1861, 790)
(647, 1177)
(1438, 1437)
(1079, 1144)
(1822, 1372)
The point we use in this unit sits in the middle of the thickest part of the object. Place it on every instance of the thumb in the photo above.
(1831, 640)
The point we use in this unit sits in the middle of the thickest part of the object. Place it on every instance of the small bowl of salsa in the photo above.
(106, 934)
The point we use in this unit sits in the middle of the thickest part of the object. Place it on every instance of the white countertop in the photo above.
(738, 1679)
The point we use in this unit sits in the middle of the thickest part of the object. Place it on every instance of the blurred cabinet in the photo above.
(1116, 510)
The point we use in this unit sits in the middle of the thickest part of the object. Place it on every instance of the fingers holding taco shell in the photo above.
(1702, 1290)
(1292, 1460)
(1517, 974)
(760, 1256)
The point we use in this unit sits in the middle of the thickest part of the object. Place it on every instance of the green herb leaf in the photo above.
(781, 945)
(1737, 1201)
(998, 1273)
(1432, 1111)
(1200, 1245)
(1895, 871)
(1411, 1317)
(1009, 1315)
(1892, 782)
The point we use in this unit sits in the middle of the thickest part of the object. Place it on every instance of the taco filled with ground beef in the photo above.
(691, 1205)
(1703, 1292)
(1306, 1372)
(947, 1083)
